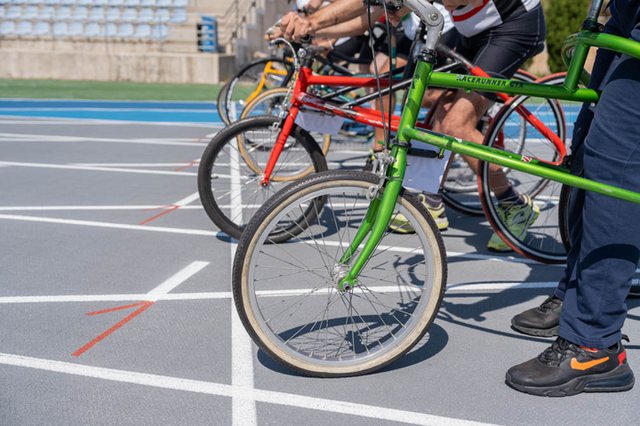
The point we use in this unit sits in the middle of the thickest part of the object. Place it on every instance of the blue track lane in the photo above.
(146, 111)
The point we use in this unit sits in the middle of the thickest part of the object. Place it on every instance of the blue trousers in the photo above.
(604, 231)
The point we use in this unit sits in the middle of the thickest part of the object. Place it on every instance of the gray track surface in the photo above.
(184, 360)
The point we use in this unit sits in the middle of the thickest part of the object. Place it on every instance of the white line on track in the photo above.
(243, 411)
(109, 207)
(174, 281)
(231, 391)
(87, 298)
(23, 138)
(187, 200)
(97, 169)
(89, 208)
(183, 164)
(201, 232)
(91, 223)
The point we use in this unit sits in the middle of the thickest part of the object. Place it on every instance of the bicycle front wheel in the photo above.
(273, 102)
(230, 189)
(287, 296)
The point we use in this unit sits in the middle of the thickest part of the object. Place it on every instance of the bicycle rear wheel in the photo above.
(256, 77)
(543, 241)
(221, 104)
(230, 190)
(286, 294)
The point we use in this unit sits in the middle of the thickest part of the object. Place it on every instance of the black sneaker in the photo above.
(542, 321)
(566, 369)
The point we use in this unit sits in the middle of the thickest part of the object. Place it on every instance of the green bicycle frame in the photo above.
(382, 206)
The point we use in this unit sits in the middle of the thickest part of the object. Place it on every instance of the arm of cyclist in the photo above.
(313, 5)
(351, 28)
(296, 27)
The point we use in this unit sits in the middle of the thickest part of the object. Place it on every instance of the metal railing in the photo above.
(233, 22)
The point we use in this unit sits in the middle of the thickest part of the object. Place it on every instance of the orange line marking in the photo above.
(117, 308)
(162, 213)
(144, 306)
(188, 165)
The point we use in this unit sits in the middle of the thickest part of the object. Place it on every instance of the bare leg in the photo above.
(458, 116)
(383, 65)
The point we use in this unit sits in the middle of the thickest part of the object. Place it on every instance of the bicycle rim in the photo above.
(543, 240)
(251, 81)
(286, 293)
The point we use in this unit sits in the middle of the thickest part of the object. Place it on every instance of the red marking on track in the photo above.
(189, 164)
(117, 308)
(143, 306)
(167, 209)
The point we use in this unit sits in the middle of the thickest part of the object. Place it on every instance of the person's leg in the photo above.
(544, 320)
(588, 355)
(609, 250)
(499, 51)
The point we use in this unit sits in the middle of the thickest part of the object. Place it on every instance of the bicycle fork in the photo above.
(382, 207)
(300, 86)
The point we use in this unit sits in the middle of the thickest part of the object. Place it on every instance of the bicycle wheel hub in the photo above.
(339, 275)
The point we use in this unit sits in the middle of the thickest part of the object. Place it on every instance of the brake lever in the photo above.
(272, 29)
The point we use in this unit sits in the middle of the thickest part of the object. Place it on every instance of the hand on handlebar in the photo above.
(292, 27)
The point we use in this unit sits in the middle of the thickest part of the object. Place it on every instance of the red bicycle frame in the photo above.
(369, 116)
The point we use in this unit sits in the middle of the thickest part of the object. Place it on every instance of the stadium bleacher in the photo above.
(129, 20)
(110, 40)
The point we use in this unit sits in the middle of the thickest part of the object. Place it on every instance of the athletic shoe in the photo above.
(400, 224)
(565, 369)
(518, 217)
(542, 321)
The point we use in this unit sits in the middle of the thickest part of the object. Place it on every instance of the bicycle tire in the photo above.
(220, 103)
(247, 80)
(460, 190)
(543, 241)
(363, 342)
(225, 181)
